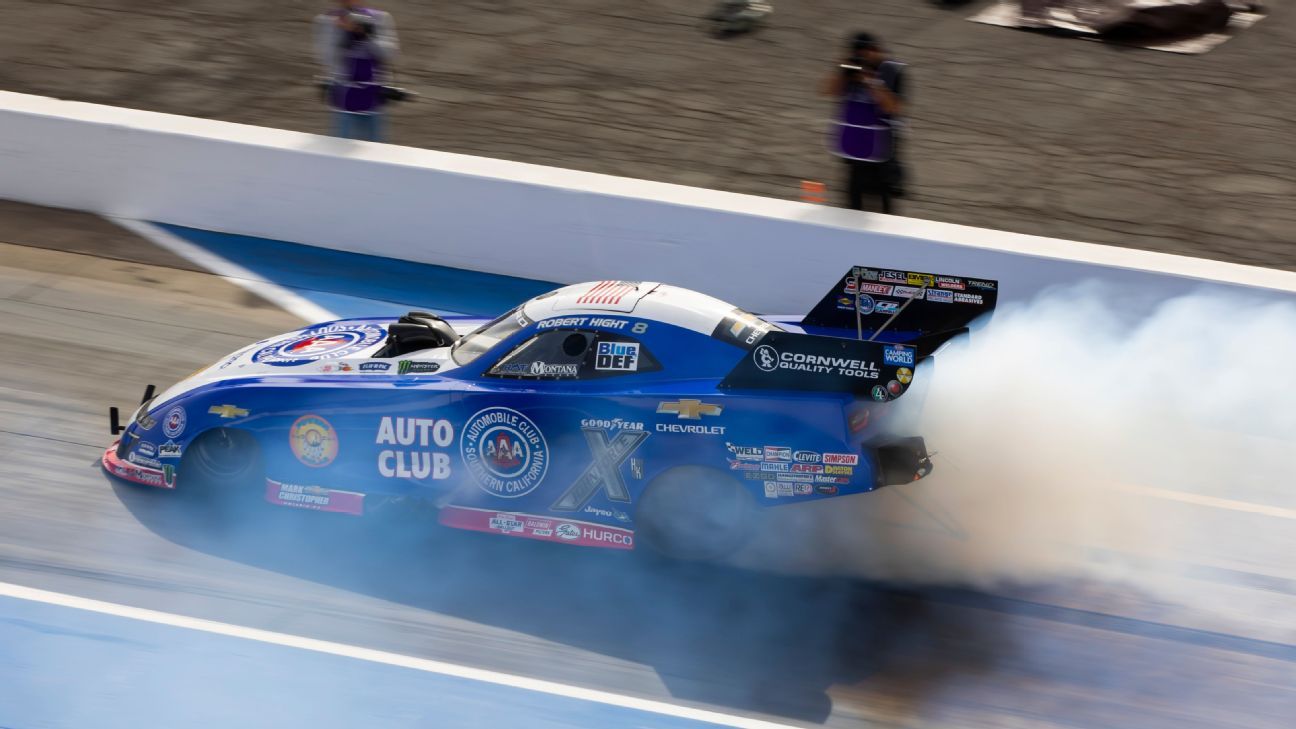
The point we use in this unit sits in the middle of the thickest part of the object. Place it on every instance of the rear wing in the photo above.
(806, 362)
(885, 305)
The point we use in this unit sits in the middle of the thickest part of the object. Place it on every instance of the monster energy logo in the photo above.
(408, 367)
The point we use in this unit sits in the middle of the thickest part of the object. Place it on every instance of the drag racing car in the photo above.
(605, 414)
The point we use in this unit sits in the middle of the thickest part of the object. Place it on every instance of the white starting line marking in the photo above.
(228, 270)
(372, 655)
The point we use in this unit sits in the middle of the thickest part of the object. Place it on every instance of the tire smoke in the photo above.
(1077, 440)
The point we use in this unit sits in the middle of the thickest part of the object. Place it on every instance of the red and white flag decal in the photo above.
(607, 292)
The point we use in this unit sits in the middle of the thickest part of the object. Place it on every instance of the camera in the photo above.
(364, 28)
(396, 93)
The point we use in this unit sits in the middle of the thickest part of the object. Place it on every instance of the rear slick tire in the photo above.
(694, 514)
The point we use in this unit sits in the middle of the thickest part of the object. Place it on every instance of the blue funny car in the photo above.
(603, 414)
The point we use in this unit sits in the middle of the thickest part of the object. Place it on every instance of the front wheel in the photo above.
(222, 462)
(694, 513)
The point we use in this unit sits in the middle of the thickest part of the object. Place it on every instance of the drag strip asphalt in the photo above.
(84, 332)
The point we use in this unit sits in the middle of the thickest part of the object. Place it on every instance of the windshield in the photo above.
(471, 346)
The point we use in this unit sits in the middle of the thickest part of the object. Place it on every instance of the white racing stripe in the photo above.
(232, 272)
(21, 592)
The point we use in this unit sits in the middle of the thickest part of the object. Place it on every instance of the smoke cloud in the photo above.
(1083, 436)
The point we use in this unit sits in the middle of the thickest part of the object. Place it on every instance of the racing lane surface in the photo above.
(83, 332)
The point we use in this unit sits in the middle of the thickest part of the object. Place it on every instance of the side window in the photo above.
(566, 354)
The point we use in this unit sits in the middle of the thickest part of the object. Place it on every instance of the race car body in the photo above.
(592, 415)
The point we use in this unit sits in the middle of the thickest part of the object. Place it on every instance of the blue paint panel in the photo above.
(61, 667)
(352, 284)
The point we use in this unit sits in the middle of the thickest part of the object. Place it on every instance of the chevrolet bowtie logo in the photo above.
(227, 411)
(690, 409)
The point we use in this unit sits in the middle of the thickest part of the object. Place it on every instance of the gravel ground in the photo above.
(1010, 130)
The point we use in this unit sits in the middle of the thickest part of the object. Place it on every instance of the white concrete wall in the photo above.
(518, 219)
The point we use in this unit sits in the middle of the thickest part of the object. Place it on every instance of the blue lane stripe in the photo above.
(62, 667)
(353, 284)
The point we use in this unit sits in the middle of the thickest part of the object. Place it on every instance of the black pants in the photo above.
(868, 178)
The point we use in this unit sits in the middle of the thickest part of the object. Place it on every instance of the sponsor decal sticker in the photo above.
(690, 429)
(613, 424)
(866, 304)
(893, 277)
(744, 466)
(617, 356)
(920, 279)
(339, 367)
(168, 476)
(173, 423)
(859, 420)
(506, 523)
(825, 489)
(766, 358)
(504, 451)
(895, 354)
(968, 299)
(778, 453)
(841, 459)
(879, 393)
(145, 461)
(636, 468)
(417, 460)
(313, 441)
(894, 388)
(905, 292)
(375, 366)
(689, 409)
(607, 513)
(583, 533)
(940, 296)
(146, 449)
(746, 453)
(839, 470)
(604, 473)
(806, 457)
(331, 341)
(315, 498)
(227, 411)
(949, 282)
(905, 375)
(169, 449)
(776, 467)
(983, 285)
(414, 367)
(807, 468)
(873, 288)
(536, 369)
(769, 359)
(887, 307)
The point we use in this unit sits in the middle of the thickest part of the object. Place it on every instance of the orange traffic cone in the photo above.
(813, 192)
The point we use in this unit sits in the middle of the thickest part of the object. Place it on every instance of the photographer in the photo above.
(870, 87)
(356, 45)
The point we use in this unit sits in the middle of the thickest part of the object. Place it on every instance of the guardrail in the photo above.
(520, 219)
